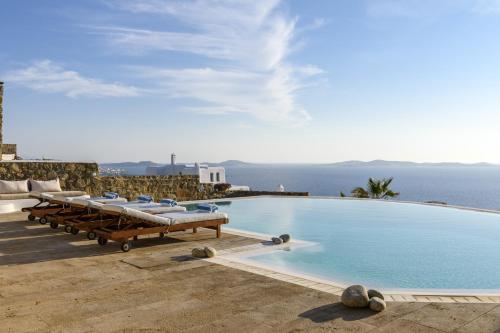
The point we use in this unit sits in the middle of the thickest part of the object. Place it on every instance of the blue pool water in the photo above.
(380, 244)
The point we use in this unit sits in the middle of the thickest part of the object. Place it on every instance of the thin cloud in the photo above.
(267, 97)
(243, 46)
(46, 76)
(430, 8)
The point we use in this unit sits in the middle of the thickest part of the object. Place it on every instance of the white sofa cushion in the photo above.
(45, 185)
(13, 186)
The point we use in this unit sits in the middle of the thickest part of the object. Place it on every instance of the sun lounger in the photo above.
(50, 203)
(88, 214)
(131, 223)
(78, 208)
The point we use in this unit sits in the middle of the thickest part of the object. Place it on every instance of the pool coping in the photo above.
(233, 258)
(473, 209)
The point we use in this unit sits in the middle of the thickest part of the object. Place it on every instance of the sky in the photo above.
(255, 80)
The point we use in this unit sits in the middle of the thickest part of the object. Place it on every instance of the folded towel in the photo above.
(168, 202)
(111, 195)
(208, 207)
(145, 198)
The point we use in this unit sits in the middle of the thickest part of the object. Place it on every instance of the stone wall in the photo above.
(8, 148)
(180, 188)
(236, 194)
(83, 177)
(73, 176)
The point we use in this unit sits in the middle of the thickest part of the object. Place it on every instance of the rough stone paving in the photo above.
(56, 282)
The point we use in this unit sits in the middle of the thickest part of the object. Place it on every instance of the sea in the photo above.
(471, 186)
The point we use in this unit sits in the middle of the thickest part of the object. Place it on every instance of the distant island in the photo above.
(138, 168)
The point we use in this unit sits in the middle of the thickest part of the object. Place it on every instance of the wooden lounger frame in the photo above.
(44, 208)
(122, 228)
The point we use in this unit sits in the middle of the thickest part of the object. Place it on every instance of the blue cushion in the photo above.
(111, 195)
(145, 198)
(208, 207)
(168, 202)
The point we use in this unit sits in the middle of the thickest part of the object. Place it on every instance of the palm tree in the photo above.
(375, 189)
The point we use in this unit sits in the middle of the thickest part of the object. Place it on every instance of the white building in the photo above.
(208, 175)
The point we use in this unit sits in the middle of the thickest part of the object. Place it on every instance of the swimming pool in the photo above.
(386, 245)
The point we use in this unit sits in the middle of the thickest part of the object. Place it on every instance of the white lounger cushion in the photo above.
(192, 216)
(162, 209)
(144, 207)
(109, 200)
(68, 200)
(49, 195)
(89, 202)
(137, 214)
(165, 218)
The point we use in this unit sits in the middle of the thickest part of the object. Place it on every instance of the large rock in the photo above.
(198, 252)
(377, 304)
(277, 240)
(285, 237)
(375, 293)
(210, 252)
(355, 297)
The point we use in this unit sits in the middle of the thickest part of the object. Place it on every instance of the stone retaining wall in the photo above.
(180, 188)
(235, 194)
(73, 176)
(83, 177)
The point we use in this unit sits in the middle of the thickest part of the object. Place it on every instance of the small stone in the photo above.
(375, 293)
(198, 252)
(377, 304)
(285, 238)
(210, 252)
(355, 296)
(277, 240)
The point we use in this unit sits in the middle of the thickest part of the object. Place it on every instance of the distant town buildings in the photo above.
(207, 174)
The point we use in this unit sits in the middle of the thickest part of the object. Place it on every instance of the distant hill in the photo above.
(231, 163)
(139, 168)
(120, 165)
(384, 163)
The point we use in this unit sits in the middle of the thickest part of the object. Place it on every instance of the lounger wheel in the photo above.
(126, 247)
(102, 241)
(67, 229)
(54, 225)
(91, 235)
(31, 218)
(74, 231)
(162, 234)
(43, 220)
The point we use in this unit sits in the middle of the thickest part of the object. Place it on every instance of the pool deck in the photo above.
(51, 281)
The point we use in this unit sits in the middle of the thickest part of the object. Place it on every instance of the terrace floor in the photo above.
(51, 281)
